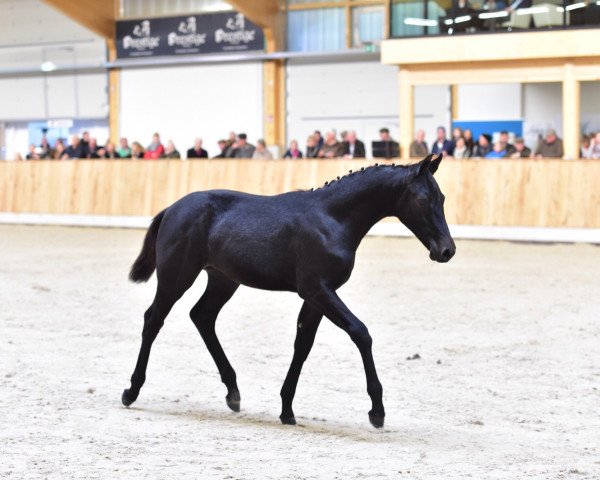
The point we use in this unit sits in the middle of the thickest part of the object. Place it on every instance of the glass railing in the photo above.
(409, 18)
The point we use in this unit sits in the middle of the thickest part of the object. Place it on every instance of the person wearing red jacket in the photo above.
(155, 149)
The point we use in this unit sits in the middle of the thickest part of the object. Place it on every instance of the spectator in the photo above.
(595, 146)
(197, 151)
(585, 151)
(499, 151)
(59, 150)
(242, 148)
(124, 151)
(391, 148)
(45, 146)
(331, 147)
(483, 146)
(75, 149)
(510, 149)
(550, 147)
(469, 142)
(137, 151)
(261, 152)
(521, 151)
(293, 152)
(223, 147)
(231, 144)
(418, 148)
(110, 151)
(312, 147)
(352, 147)
(442, 144)
(171, 151)
(85, 144)
(456, 134)
(343, 135)
(318, 139)
(33, 152)
(155, 149)
(460, 149)
(92, 148)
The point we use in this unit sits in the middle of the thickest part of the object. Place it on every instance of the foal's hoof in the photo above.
(376, 420)
(288, 420)
(233, 401)
(127, 398)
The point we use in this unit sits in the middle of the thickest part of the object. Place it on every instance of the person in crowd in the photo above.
(312, 147)
(499, 151)
(391, 146)
(550, 146)
(197, 151)
(231, 144)
(483, 146)
(331, 147)
(293, 152)
(595, 146)
(442, 144)
(510, 149)
(352, 147)
(460, 149)
(418, 148)
(222, 149)
(85, 144)
(242, 149)
(343, 135)
(75, 149)
(58, 151)
(521, 151)
(93, 149)
(469, 142)
(585, 150)
(124, 150)
(155, 149)
(318, 139)
(33, 153)
(261, 152)
(457, 133)
(171, 151)
(137, 151)
(46, 149)
(109, 151)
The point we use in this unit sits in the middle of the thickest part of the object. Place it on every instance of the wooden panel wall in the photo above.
(551, 193)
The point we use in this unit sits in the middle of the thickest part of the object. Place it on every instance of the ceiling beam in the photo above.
(98, 16)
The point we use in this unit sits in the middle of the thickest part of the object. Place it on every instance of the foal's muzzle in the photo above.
(443, 250)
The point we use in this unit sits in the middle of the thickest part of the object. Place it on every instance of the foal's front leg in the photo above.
(328, 303)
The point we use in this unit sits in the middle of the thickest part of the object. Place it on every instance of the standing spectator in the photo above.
(550, 147)
(483, 146)
(137, 151)
(155, 149)
(521, 151)
(75, 149)
(460, 149)
(124, 151)
(391, 148)
(197, 151)
(293, 152)
(318, 139)
(261, 152)
(499, 151)
(442, 144)
(312, 147)
(469, 142)
(352, 147)
(595, 146)
(418, 148)
(510, 149)
(222, 149)
(331, 147)
(171, 151)
(110, 151)
(242, 148)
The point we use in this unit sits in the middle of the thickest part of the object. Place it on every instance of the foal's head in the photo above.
(421, 209)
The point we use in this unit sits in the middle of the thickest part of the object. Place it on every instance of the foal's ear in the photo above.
(433, 166)
(424, 165)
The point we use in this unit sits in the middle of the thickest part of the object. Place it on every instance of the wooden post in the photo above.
(114, 95)
(406, 111)
(571, 119)
(274, 102)
(453, 103)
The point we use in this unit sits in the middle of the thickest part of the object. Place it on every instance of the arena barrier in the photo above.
(551, 200)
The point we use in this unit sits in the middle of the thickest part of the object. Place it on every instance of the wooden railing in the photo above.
(545, 193)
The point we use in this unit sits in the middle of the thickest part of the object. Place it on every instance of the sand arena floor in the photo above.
(507, 386)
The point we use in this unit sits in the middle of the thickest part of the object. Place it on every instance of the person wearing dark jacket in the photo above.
(353, 148)
(197, 151)
(293, 152)
(442, 144)
(75, 149)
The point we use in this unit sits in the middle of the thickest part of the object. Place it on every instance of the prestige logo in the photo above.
(141, 39)
(237, 34)
(189, 38)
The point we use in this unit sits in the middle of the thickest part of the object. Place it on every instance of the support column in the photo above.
(571, 119)
(114, 95)
(406, 112)
(274, 102)
(453, 103)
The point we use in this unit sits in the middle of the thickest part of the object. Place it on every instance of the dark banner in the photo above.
(192, 34)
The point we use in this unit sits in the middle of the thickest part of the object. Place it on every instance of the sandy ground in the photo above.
(508, 384)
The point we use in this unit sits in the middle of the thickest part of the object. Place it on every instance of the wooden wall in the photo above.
(550, 193)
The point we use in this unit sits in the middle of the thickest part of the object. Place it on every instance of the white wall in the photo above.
(182, 103)
(542, 109)
(590, 107)
(432, 110)
(361, 96)
(498, 101)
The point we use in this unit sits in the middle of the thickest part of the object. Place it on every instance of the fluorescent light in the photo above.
(420, 22)
(47, 67)
(464, 18)
(449, 21)
(532, 10)
(575, 6)
(501, 14)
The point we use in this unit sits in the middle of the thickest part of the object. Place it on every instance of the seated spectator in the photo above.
(442, 144)
(85, 144)
(75, 149)
(261, 152)
(92, 149)
(595, 146)
(223, 147)
(241, 148)
(155, 149)
(33, 153)
(197, 151)
(418, 148)
(109, 151)
(460, 149)
(312, 147)
(510, 149)
(171, 151)
(318, 139)
(124, 151)
(293, 152)
(137, 151)
(391, 148)
(457, 133)
(343, 135)
(521, 151)
(331, 147)
(59, 150)
(352, 147)
(550, 146)
(483, 146)
(231, 144)
(469, 142)
(499, 151)
(45, 146)
(585, 151)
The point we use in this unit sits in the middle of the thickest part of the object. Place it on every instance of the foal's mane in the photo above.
(362, 171)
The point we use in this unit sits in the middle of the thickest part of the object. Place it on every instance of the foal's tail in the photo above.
(145, 263)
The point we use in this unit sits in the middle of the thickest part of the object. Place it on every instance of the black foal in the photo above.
(303, 242)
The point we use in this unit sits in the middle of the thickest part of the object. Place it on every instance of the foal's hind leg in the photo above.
(204, 315)
(308, 323)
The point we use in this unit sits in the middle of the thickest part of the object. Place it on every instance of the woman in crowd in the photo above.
(293, 151)
(460, 149)
(124, 151)
(155, 149)
(110, 151)
(137, 151)
(312, 147)
(261, 152)
(59, 150)
(171, 151)
(469, 142)
(483, 146)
